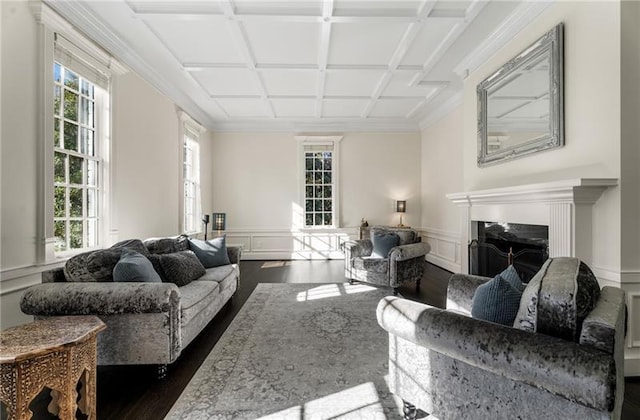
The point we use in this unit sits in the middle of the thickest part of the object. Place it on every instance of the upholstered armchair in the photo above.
(562, 359)
(378, 261)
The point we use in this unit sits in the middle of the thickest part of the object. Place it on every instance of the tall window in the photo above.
(318, 187)
(191, 179)
(76, 161)
(319, 180)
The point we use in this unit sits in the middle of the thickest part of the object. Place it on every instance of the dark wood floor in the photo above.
(132, 392)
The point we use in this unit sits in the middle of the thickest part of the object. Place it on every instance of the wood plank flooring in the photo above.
(132, 392)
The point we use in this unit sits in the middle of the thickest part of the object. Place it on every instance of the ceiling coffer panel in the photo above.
(275, 42)
(364, 42)
(343, 108)
(294, 107)
(204, 39)
(225, 81)
(244, 108)
(290, 82)
(351, 82)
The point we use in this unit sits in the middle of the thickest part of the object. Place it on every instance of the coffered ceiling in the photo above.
(304, 65)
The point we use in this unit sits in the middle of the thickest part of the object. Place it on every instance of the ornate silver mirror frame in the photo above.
(520, 106)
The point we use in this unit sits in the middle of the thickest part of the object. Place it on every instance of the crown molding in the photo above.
(442, 110)
(315, 126)
(520, 18)
(84, 18)
(48, 17)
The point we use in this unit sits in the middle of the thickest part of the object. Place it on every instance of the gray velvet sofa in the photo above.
(563, 359)
(147, 323)
(404, 262)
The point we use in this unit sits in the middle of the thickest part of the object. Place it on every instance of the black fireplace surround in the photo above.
(499, 244)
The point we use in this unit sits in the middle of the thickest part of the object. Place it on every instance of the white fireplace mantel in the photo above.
(564, 206)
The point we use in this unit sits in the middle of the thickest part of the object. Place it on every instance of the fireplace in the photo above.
(496, 245)
(564, 206)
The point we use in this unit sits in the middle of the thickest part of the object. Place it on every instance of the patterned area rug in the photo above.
(297, 351)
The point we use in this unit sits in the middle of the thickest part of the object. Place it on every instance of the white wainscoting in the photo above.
(445, 248)
(283, 244)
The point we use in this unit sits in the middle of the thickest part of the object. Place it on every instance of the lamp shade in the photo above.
(219, 221)
(401, 206)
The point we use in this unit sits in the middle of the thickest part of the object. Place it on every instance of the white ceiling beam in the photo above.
(470, 14)
(241, 40)
(323, 53)
(401, 50)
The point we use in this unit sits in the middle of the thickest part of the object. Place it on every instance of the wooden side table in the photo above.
(56, 353)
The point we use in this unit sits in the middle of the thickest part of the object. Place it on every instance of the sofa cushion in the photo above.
(98, 265)
(167, 245)
(496, 301)
(376, 265)
(382, 243)
(558, 298)
(212, 253)
(220, 273)
(180, 268)
(133, 244)
(195, 296)
(133, 266)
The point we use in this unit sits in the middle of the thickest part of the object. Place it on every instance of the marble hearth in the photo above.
(564, 206)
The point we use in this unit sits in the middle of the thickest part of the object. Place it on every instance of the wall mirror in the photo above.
(520, 106)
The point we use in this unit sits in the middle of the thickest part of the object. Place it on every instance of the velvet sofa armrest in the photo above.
(564, 368)
(357, 248)
(460, 292)
(409, 251)
(234, 253)
(57, 299)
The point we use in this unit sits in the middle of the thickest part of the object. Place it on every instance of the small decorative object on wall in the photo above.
(401, 207)
(219, 222)
(520, 106)
(205, 220)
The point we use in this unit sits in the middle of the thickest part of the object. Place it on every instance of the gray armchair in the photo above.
(564, 357)
(404, 262)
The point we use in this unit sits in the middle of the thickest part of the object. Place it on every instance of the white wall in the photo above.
(145, 161)
(256, 182)
(592, 117)
(442, 173)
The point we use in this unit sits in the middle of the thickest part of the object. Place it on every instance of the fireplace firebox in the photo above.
(496, 245)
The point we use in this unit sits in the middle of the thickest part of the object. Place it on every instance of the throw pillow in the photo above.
(511, 276)
(133, 244)
(212, 253)
(167, 245)
(180, 268)
(92, 266)
(382, 244)
(496, 301)
(133, 266)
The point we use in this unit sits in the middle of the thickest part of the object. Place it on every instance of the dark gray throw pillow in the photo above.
(496, 301)
(212, 253)
(382, 244)
(134, 267)
(180, 268)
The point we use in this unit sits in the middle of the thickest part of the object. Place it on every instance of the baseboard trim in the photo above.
(442, 263)
(631, 367)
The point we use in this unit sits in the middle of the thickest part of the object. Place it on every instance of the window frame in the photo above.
(56, 34)
(190, 126)
(100, 113)
(305, 143)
